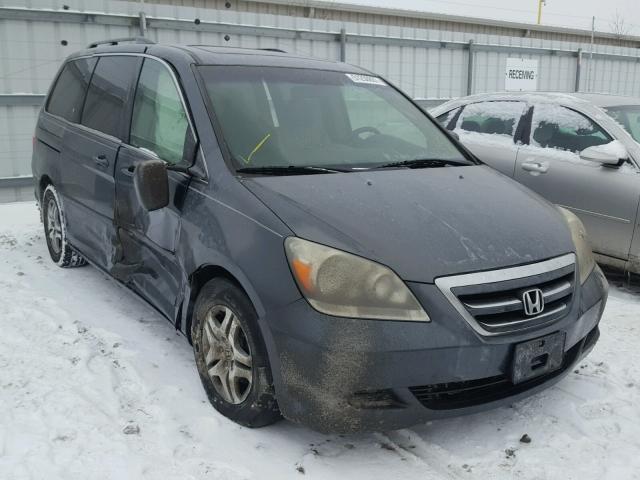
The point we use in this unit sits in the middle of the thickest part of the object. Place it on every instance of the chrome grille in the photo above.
(492, 302)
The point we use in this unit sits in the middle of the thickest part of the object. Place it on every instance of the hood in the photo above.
(422, 223)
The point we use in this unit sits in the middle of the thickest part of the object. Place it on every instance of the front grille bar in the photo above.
(507, 305)
(536, 319)
(560, 291)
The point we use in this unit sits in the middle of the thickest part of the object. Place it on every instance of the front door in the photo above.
(159, 129)
(605, 198)
(489, 129)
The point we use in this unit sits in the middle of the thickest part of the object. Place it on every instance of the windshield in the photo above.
(289, 117)
(629, 117)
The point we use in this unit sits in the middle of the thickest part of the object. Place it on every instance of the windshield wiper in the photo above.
(289, 170)
(425, 163)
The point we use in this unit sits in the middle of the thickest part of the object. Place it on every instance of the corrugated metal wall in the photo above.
(31, 50)
(341, 12)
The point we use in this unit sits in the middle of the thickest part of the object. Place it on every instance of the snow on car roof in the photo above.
(597, 99)
(607, 100)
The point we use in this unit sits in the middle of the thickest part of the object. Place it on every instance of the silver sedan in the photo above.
(579, 151)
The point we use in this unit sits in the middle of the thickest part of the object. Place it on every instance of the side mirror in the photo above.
(609, 154)
(152, 184)
(455, 135)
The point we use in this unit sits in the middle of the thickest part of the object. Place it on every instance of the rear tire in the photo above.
(231, 356)
(55, 231)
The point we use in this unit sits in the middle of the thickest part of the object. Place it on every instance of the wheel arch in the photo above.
(43, 183)
(196, 281)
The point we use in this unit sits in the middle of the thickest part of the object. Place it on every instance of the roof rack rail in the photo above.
(273, 50)
(116, 41)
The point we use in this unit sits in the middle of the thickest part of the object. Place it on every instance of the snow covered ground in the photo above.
(95, 384)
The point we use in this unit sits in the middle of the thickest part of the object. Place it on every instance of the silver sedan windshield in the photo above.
(628, 116)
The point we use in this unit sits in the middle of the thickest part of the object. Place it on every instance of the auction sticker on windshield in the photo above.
(358, 78)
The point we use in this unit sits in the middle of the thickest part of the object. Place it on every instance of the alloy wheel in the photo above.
(54, 226)
(227, 354)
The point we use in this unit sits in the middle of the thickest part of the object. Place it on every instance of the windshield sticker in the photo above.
(357, 78)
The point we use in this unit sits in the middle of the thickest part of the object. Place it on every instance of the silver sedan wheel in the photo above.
(54, 226)
(227, 354)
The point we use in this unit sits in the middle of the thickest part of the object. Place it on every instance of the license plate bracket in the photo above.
(537, 357)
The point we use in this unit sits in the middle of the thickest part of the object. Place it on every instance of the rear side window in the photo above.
(492, 118)
(106, 105)
(68, 94)
(160, 123)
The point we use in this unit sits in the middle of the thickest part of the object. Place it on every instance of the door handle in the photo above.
(536, 168)
(101, 161)
(128, 171)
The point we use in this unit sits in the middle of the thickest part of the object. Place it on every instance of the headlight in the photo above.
(586, 262)
(345, 285)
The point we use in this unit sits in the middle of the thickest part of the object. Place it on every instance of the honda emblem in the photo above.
(533, 301)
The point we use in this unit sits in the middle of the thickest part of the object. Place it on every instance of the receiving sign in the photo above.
(521, 74)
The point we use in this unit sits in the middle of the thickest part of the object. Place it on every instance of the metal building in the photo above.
(427, 55)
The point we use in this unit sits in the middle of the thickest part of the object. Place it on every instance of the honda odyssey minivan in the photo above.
(332, 253)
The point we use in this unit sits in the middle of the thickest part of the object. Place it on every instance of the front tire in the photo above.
(55, 231)
(231, 356)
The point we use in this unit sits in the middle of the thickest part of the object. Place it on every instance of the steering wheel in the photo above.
(359, 131)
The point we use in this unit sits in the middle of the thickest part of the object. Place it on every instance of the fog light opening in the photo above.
(375, 400)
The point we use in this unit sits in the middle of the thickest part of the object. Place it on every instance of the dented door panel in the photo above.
(148, 239)
(86, 184)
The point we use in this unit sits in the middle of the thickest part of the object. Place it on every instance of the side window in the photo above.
(446, 118)
(106, 105)
(68, 94)
(561, 128)
(160, 123)
(493, 118)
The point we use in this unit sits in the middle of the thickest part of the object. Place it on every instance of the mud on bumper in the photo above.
(373, 377)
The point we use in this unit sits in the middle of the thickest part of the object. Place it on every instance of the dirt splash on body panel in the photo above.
(320, 397)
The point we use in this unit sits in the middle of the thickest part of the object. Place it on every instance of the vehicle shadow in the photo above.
(624, 281)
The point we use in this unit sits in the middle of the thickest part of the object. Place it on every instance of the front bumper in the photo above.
(349, 375)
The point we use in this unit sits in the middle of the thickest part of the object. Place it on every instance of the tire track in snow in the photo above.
(411, 446)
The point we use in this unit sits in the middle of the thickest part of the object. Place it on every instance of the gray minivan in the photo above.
(332, 253)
